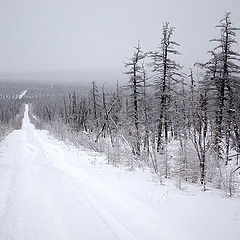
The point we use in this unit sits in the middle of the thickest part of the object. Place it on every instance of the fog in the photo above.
(89, 40)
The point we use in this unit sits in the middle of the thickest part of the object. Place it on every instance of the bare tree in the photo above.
(166, 72)
(135, 85)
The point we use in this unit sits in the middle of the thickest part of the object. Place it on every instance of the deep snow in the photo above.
(49, 191)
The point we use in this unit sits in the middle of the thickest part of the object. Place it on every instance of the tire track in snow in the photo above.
(98, 211)
(101, 213)
(35, 145)
(8, 219)
(44, 165)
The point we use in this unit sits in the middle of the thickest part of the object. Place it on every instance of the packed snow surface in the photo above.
(49, 191)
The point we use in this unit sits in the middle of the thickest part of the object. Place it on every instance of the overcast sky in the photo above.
(53, 35)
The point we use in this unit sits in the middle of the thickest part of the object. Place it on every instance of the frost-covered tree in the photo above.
(94, 107)
(135, 87)
(167, 76)
(222, 83)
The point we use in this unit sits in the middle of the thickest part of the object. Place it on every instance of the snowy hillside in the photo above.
(51, 191)
(120, 120)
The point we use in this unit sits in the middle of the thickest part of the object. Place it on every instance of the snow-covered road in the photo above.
(50, 192)
(22, 94)
(46, 198)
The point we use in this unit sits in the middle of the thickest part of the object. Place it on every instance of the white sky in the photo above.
(52, 35)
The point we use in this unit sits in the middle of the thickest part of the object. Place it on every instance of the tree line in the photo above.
(11, 108)
(179, 125)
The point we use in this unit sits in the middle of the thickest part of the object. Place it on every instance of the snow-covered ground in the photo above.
(22, 94)
(49, 191)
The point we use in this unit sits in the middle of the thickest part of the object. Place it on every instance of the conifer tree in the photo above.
(135, 86)
(166, 72)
